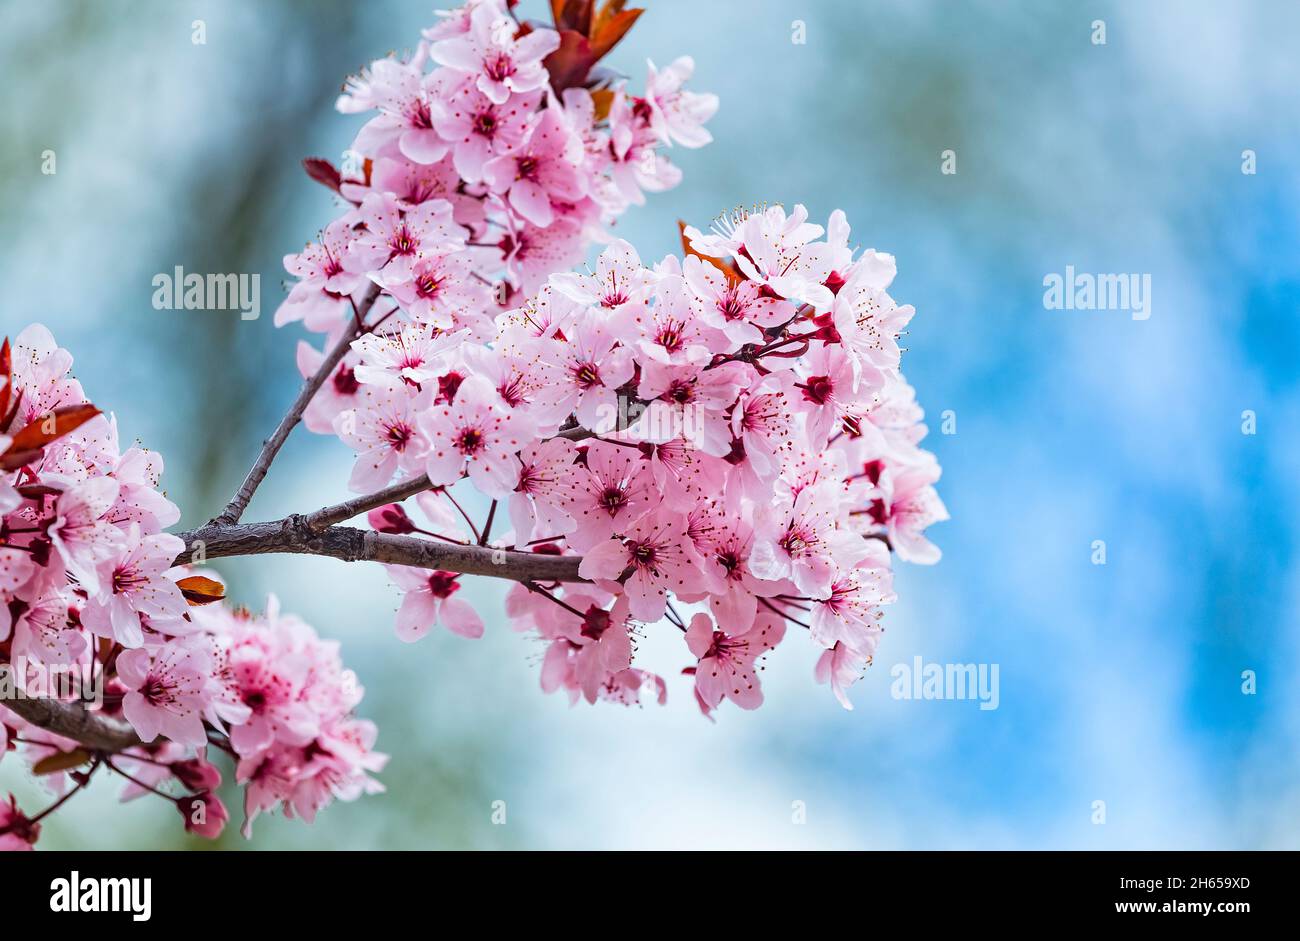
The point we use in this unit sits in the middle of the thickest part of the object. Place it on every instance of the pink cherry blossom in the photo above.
(394, 241)
(79, 532)
(405, 103)
(427, 600)
(609, 490)
(138, 591)
(841, 667)
(583, 376)
(500, 63)
(539, 504)
(320, 297)
(477, 127)
(657, 557)
(166, 692)
(798, 539)
(675, 113)
(620, 279)
(779, 253)
(539, 172)
(478, 434)
(384, 432)
(849, 614)
(726, 662)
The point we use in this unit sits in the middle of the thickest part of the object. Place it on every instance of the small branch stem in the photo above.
(239, 502)
(324, 518)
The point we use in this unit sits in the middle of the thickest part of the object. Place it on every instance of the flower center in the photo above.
(470, 441)
(443, 584)
(613, 499)
(399, 436)
(586, 375)
(818, 389)
(499, 67)
(345, 381)
(485, 123)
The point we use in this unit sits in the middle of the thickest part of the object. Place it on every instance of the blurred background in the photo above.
(1120, 683)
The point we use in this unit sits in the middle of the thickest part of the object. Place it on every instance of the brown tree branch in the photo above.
(271, 447)
(295, 535)
(72, 720)
(345, 511)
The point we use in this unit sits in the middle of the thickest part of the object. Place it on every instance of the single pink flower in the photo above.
(476, 432)
(609, 490)
(538, 505)
(726, 667)
(489, 51)
(166, 693)
(136, 590)
(841, 667)
(657, 557)
(79, 532)
(676, 114)
(427, 600)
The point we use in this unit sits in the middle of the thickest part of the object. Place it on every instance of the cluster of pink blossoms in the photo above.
(722, 442)
(727, 432)
(93, 607)
(477, 177)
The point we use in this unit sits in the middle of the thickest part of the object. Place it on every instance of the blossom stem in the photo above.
(68, 796)
(771, 607)
(469, 522)
(138, 783)
(534, 587)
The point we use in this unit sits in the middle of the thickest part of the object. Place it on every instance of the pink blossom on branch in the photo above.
(719, 444)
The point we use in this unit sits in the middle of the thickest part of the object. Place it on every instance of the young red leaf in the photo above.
(573, 14)
(586, 35)
(611, 25)
(52, 426)
(323, 172)
(200, 591)
(731, 271)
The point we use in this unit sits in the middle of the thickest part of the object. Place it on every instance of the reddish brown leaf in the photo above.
(611, 25)
(586, 36)
(733, 274)
(568, 65)
(200, 591)
(61, 761)
(573, 14)
(11, 460)
(52, 426)
(323, 172)
(603, 99)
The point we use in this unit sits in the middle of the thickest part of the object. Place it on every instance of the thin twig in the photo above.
(340, 512)
(68, 796)
(239, 502)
